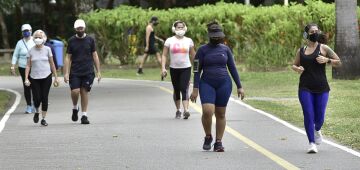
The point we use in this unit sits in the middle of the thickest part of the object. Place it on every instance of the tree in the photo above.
(347, 40)
(5, 7)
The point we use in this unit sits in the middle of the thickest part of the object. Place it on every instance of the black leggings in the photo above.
(180, 78)
(27, 89)
(41, 89)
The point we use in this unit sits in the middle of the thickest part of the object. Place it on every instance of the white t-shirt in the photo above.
(40, 66)
(179, 51)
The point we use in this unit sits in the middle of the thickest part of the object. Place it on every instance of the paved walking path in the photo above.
(133, 127)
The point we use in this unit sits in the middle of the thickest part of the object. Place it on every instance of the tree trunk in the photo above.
(347, 40)
(110, 4)
(5, 37)
(269, 2)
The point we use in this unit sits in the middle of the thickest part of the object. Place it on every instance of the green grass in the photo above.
(342, 121)
(4, 101)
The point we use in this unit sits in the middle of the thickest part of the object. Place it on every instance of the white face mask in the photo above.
(38, 41)
(180, 32)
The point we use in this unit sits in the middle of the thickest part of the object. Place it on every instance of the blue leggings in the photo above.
(313, 106)
(215, 91)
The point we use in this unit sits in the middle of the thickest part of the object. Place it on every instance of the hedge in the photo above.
(260, 37)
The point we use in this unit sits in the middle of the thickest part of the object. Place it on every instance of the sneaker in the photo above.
(74, 116)
(207, 142)
(36, 118)
(177, 115)
(33, 109)
(218, 147)
(43, 122)
(140, 71)
(186, 115)
(312, 148)
(84, 120)
(28, 109)
(318, 137)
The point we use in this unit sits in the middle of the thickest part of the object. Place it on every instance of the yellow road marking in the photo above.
(282, 162)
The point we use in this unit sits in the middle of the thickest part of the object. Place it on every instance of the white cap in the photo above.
(25, 27)
(79, 23)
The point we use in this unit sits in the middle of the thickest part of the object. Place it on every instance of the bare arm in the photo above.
(148, 31)
(163, 59)
(333, 58)
(67, 66)
(296, 64)
(27, 71)
(192, 54)
(97, 65)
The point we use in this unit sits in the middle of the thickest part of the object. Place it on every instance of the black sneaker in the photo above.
(177, 115)
(84, 120)
(140, 71)
(36, 118)
(74, 116)
(207, 142)
(186, 115)
(218, 147)
(43, 122)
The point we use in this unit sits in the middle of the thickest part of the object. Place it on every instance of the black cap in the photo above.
(154, 18)
(215, 30)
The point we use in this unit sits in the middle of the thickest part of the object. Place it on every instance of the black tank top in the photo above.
(152, 39)
(313, 78)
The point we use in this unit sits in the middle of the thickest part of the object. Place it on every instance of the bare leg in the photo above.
(185, 105)
(220, 122)
(177, 104)
(158, 57)
(142, 60)
(84, 99)
(75, 96)
(43, 113)
(206, 118)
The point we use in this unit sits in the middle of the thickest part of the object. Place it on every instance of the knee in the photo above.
(75, 91)
(220, 115)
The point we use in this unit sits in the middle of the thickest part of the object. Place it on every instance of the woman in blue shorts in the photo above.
(212, 62)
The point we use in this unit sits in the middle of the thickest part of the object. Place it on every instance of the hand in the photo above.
(241, 93)
(194, 95)
(321, 59)
(164, 73)
(56, 82)
(66, 78)
(12, 70)
(98, 76)
(27, 82)
(146, 49)
(300, 69)
(162, 41)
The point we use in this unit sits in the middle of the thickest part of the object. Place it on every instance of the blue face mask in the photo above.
(26, 34)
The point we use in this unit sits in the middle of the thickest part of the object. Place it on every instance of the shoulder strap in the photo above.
(25, 45)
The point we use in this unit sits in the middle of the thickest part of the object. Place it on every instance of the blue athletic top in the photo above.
(214, 62)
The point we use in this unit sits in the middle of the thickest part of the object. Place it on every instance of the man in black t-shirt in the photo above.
(79, 69)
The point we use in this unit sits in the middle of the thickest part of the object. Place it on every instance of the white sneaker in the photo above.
(312, 148)
(318, 137)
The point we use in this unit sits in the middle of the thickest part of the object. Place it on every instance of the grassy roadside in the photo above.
(342, 119)
(4, 101)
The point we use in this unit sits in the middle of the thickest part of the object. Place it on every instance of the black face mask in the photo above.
(216, 41)
(80, 33)
(155, 23)
(313, 37)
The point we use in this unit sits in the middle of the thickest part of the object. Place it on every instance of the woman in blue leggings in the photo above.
(310, 62)
(212, 62)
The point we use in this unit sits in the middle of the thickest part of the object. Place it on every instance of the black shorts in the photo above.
(85, 81)
(152, 50)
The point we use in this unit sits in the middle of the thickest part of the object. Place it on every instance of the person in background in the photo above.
(150, 48)
(310, 62)
(19, 57)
